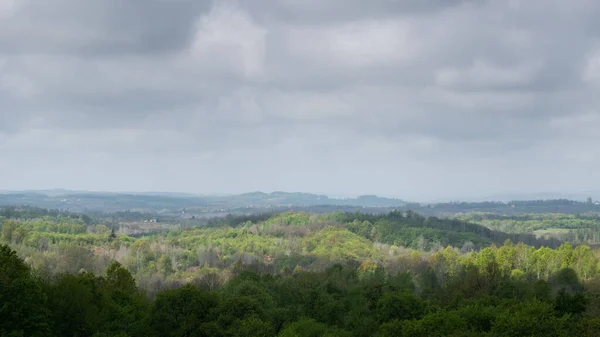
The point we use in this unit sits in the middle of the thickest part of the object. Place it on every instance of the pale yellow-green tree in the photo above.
(585, 261)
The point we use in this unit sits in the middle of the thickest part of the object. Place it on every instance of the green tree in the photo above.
(125, 306)
(531, 318)
(8, 229)
(565, 252)
(584, 261)
(185, 312)
(75, 303)
(164, 265)
(307, 327)
(572, 304)
(400, 306)
(22, 300)
(251, 327)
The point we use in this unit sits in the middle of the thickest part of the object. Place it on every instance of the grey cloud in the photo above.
(335, 11)
(427, 97)
(95, 28)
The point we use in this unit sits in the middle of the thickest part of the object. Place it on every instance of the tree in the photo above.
(76, 305)
(566, 255)
(125, 304)
(112, 235)
(546, 261)
(402, 306)
(531, 318)
(164, 265)
(484, 258)
(566, 279)
(8, 229)
(186, 312)
(308, 327)
(22, 301)
(506, 257)
(585, 261)
(573, 304)
(251, 327)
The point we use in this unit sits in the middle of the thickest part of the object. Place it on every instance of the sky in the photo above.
(417, 99)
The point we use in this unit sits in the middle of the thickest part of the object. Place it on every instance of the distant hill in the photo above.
(161, 202)
(191, 205)
(580, 196)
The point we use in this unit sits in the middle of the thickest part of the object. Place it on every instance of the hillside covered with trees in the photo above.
(206, 206)
(489, 293)
(577, 228)
(290, 274)
(57, 242)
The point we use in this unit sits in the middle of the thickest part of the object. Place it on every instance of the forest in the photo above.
(577, 228)
(296, 274)
(174, 205)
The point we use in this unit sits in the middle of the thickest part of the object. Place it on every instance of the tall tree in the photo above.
(22, 301)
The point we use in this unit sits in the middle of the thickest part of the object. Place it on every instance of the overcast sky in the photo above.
(418, 99)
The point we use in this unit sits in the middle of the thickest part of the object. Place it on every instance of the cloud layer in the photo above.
(416, 99)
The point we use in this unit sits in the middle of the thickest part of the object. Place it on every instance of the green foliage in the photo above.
(77, 298)
(307, 327)
(23, 310)
(531, 318)
(186, 311)
(338, 301)
(578, 228)
(62, 242)
(338, 244)
(293, 274)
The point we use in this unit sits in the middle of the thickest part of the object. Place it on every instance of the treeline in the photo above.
(281, 242)
(89, 218)
(477, 295)
(233, 220)
(393, 226)
(579, 228)
(510, 208)
(28, 213)
(528, 223)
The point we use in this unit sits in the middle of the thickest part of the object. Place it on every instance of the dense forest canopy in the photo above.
(478, 294)
(580, 228)
(67, 242)
(296, 274)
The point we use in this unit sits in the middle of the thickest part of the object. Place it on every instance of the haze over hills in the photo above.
(171, 202)
(574, 195)
(178, 204)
